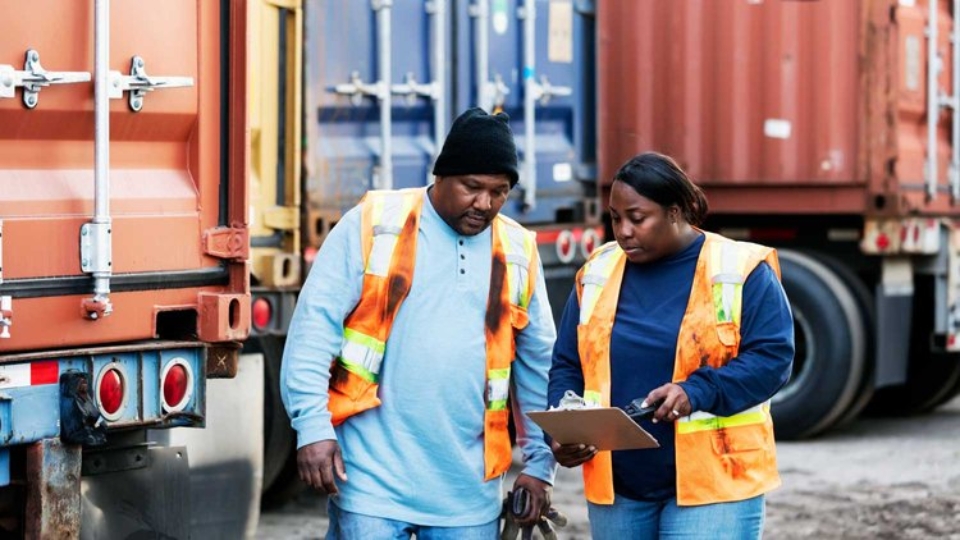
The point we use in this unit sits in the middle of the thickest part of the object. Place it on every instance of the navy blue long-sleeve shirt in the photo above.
(653, 299)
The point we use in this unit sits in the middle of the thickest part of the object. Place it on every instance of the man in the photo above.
(423, 312)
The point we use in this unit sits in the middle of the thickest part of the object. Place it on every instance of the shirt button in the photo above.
(462, 256)
(461, 242)
(462, 271)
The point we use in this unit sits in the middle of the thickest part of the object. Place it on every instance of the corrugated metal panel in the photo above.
(167, 166)
(794, 106)
(344, 136)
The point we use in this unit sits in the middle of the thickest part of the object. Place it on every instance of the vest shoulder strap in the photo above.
(384, 213)
(520, 251)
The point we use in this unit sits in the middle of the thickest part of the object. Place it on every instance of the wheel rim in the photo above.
(803, 364)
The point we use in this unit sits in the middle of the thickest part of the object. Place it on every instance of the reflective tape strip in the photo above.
(361, 354)
(498, 389)
(390, 210)
(594, 277)
(516, 247)
(591, 398)
(727, 259)
(701, 421)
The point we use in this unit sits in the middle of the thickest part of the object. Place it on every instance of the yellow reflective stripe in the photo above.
(727, 264)
(390, 210)
(498, 389)
(358, 370)
(361, 354)
(517, 249)
(701, 421)
(591, 398)
(595, 275)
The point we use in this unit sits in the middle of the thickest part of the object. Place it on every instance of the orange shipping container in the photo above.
(176, 208)
(782, 106)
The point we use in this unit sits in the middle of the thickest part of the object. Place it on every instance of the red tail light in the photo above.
(177, 385)
(566, 249)
(262, 312)
(111, 390)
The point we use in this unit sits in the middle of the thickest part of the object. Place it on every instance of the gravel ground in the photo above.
(874, 479)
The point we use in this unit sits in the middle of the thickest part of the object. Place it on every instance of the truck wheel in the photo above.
(931, 376)
(867, 306)
(831, 349)
(279, 439)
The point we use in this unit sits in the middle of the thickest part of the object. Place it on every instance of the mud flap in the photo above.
(141, 491)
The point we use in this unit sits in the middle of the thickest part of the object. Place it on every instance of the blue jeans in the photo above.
(351, 526)
(639, 520)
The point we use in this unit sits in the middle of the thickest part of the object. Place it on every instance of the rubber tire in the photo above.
(831, 349)
(281, 481)
(867, 306)
(932, 377)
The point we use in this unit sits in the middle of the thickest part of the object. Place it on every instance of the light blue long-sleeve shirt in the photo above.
(417, 458)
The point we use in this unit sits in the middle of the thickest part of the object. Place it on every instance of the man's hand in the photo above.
(539, 498)
(675, 402)
(572, 455)
(318, 463)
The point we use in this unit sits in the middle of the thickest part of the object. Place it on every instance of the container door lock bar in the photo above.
(34, 78)
(138, 83)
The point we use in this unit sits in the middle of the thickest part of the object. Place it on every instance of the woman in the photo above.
(692, 321)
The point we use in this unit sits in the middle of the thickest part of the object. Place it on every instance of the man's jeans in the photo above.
(350, 526)
(640, 520)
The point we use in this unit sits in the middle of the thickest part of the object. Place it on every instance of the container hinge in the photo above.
(95, 242)
(410, 89)
(282, 218)
(356, 89)
(138, 83)
(34, 78)
(543, 90)
(231, 243)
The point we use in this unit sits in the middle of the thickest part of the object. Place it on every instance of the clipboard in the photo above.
(607, 428)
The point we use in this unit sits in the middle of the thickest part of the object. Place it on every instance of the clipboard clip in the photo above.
(637, 412)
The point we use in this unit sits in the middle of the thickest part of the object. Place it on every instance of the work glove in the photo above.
(514, 505)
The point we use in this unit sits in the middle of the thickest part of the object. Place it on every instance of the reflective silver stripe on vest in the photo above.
(390, 210)
(361, 354)
(517, 247)
(727, 261)
(594, 277)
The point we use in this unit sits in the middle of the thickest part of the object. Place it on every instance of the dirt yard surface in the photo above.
(874, 479)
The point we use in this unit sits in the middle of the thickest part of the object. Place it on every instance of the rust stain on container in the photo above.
(776, 106)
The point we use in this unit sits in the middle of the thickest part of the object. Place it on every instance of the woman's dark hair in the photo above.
(659, 178)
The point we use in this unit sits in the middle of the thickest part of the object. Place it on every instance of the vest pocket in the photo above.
(729, 334)
(733, 440)
(519, 318)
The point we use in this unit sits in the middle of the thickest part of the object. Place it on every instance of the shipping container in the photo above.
(382, 81)
(829, 130)
(124, 242)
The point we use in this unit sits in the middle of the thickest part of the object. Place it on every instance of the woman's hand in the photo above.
(572, 455)
(675, 403)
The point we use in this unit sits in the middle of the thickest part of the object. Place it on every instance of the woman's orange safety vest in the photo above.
(390, 223)
(719, 459)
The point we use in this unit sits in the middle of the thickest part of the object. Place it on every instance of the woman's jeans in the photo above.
(351, 526)
(640, 520)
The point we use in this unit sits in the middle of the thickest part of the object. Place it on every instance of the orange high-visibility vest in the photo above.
(719, 459)
(389, 228)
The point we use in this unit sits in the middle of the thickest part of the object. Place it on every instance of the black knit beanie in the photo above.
(479, 143)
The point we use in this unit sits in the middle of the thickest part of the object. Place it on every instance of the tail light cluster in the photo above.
(569, 242)
(114, 389)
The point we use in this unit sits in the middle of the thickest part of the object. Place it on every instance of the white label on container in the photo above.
(499, 17)
(777, 128)
(562, 172)
(560, 22)
(911, 72)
